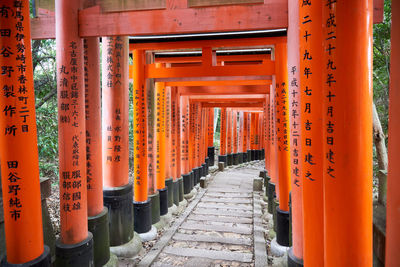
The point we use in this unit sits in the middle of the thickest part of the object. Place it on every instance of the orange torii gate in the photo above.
(345, 242)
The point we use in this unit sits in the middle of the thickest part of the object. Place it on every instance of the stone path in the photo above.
(221, 227)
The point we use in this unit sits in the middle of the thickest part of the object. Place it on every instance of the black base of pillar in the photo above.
(267, 179)
(230, 159)
(240, 158)
(175, 186)
(192, 179)
(207, 165)
(170, 186)
(245, 156)
(253, 154)
(235, 158)
(163, 201)
(181, 189)
(80, 254)
(263, 153)
(211, 155)
(142, 215)
(293, 261)
(197, 173)
(118, 200)
(155, 207)
(224, 159)
(203, 170)
(186, 183)
(271, 196)
(43, 260)
(249, 156)
(98, 226)
(282, 233)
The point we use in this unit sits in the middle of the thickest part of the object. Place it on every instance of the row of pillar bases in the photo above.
(121, 222)
(282, 220)
(241, 157)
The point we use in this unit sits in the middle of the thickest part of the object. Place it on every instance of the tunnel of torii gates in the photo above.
(292, 81)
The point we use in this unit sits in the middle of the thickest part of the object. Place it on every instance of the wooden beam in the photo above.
(228, 90)
(219, 83)
(231, 105)
(227, 97)
(378, 11)
(272, 15)
(204, 3)
(267, 68)
(229, 100)
(93, 22)
(227, 58)
(178, 19)
(221, 43)
(125, 5)
(218, 79)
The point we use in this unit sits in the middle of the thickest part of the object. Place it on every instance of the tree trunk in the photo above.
(381, 153)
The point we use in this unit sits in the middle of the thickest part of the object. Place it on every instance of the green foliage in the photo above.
(381, 72)
(44, 67)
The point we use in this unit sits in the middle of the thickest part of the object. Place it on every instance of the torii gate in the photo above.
(93, 22)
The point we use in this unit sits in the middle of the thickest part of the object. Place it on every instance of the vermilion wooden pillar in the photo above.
(18, 153)
(245, 137)
(74, 239)
(347, 135)
(115, 112)
(160, 139)
(93, 126)
(252, 134)
(393, 184)
(229, 136)
(177, 118)
(192, 145)
(169, 168)
(311, 65)
(235, 138)
(210, 142)
(164, 186)
(117, 190)
(267, 136)
(196, 137)
(273, 185)
(273, 139)
(168, 140)
(240, 137)
(283, 133)
(97, 213)
(295, 254)
(258, 135)
(223, 131)
(151, 132)
(184, 124)
(174, 135)
(142, 212)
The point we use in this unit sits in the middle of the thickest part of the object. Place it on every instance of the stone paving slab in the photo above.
(217, 228)
(153, 254)
(210, 254)
(224, 227)
(227, 190)
(223, 212)
(214, 218)
(224, 206)
(212, 239)
(227, 200)
(230, 195)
